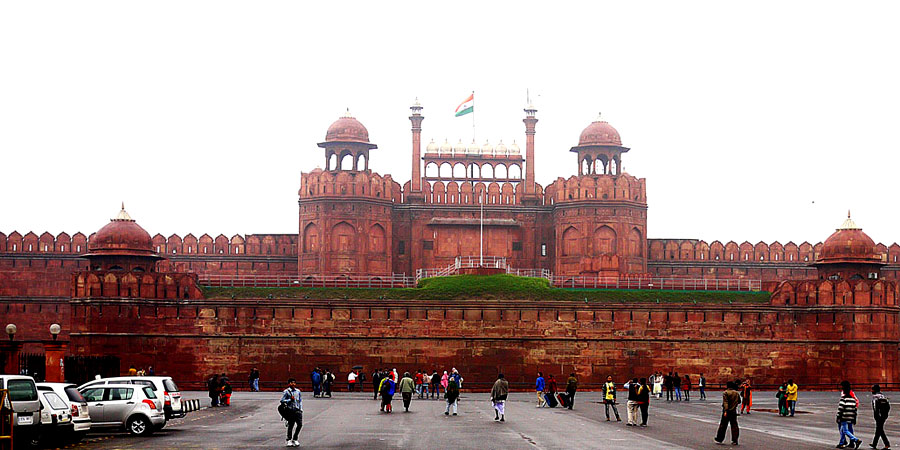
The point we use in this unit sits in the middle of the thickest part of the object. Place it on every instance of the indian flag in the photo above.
(467, 106)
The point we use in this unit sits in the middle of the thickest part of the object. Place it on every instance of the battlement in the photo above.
(669, 250)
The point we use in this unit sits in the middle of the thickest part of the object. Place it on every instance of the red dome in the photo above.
(849, 244)
(122, 236)
(600, 132)
(347, 129)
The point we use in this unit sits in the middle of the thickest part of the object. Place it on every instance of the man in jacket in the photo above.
(498, 397)
(633, 406)
(376, 382)
(316, 378)
(702, 385)
(731, 399)
(846, 417)
(254, 380)
(880, 406)
(292, 405)
(571, 387)
(643, 399)
(609, 397)
(792, 395)
(539, 387)
(407, 387)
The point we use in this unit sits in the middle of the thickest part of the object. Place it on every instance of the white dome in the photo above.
(432, 147)
(446, 148)
(459, 148)
(487, 149)
(514, 149)
(500, 149)
(473, 149)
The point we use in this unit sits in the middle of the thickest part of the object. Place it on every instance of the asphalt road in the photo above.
(354, 421)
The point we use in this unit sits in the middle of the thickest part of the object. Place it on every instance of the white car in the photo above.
(65, 412)
(164, 387)
(132, 407)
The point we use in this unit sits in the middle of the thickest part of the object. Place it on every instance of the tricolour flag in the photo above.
(467, 106)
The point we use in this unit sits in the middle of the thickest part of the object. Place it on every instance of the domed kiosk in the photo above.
(599, 149)
(347, 145)
(122, 244)
(849, 254)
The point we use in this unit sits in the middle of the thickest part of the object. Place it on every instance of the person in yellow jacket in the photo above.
(791, 395)
(609, 397)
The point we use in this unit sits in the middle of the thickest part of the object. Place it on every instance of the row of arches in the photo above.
(599, 165)
(136, 285)
(860, 292)
(342, 238)
(253, 244)
(623, 187)
(698, 250)
(346, 161)
(603, 240)
(45, 243)
(473, 170)
(361, 184)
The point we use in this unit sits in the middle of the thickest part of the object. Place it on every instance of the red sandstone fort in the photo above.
(120, 293)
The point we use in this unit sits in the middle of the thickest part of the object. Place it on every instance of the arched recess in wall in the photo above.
(343, 237)
(459, 170)
(431, 170)
(571, 240)
(376, 239)
(635, 243)
(604, 241)
(311, 238)
(500, 171)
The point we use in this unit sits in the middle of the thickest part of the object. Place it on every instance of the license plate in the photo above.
(25, 420)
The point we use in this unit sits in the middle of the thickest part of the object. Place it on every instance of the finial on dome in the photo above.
(599, 117)
(849, 224)
(848, 213)
(123, 215)
(347, 114)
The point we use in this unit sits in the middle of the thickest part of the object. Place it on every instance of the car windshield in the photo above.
(54, 401)
(22, 390)
(94, 394)
(170, 385)
(148, 391)
(74, 395)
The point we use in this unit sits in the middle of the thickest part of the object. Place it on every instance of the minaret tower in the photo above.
(530, 122)
(416, 119)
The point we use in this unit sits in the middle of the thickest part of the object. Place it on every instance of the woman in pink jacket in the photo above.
(445, 380)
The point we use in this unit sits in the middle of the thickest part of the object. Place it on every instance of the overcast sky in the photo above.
(751, 121)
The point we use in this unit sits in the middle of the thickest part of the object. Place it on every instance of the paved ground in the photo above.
(353, 420)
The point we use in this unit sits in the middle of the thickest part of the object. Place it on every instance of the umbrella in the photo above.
(357, 367)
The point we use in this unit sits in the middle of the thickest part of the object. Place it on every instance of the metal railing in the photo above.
(678, 284)
(345, 281)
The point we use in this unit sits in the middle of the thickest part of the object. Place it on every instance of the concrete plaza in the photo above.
(354, 421)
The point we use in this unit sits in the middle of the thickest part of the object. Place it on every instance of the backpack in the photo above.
(283, 411)
(882, 406)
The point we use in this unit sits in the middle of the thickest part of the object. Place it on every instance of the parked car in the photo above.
(65, 414)
(23, 397)
(164, 387)
(135, 408)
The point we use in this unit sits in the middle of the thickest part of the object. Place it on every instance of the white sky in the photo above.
(753, 121)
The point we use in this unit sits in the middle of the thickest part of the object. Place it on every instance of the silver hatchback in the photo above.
(135, 408)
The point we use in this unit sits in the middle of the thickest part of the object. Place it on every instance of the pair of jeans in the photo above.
(702, 393)
(846, 429)
(254, 385)
(791, 405)
(728, 417)
(452, 407)
(612, 403)
(879, 433)
(424, 392)
(294, 419)
(571, 398)
(316, 389)
(678, 394)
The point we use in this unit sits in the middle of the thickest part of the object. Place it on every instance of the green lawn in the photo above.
(493, 287)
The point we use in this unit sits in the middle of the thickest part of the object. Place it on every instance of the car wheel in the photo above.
(139, 425)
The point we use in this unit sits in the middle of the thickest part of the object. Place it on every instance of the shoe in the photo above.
(288, 443)
(718, 441)
(618, 419)
(857, 443)
(446, 413)
(875, 446)
(607, 419)
(454, 414)
(502, 419)
(734, 443)
(840, 446)
(296, 443)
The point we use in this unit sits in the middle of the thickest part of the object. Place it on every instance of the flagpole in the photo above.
(473, 116)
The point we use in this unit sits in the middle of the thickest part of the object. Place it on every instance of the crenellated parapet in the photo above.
(670, 250)
(363, 184)
(621, 188)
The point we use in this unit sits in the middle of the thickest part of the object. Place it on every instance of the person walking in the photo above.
(609, 397)
(792, 395)
(644, 401)
(291, 408)
(730, 401)
(746, 396)
(351, 381)
(386, 389)
(571, 388)
(316, 377)
(212, 388)
(552, 386)
(420, 380)
(676, 383)
(539, 388)
(435, 385)
(632, 405)
(452, 396)
(880, 407)
(254, 380)
(686, 387)
(781, 395)
(499, 393)
(658, 384)
(670, 386)
(407, 387)
(328, 382)
(701, 384)
(846, 418)
(426, 385)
